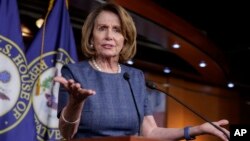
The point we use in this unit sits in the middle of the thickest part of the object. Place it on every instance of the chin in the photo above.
(109, 55)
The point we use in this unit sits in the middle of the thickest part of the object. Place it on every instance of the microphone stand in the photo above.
(126, 76)
(152, 85)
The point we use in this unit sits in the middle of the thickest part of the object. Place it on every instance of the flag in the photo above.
(53, 46)
(16, 118)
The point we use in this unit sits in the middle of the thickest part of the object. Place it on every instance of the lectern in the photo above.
(125, 138)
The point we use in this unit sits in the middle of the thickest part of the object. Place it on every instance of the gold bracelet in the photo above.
(69, 122)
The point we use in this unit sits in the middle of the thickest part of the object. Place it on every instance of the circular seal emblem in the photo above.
(15, 86)
(45, 92)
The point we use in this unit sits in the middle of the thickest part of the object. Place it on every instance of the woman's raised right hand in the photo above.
(76, 91)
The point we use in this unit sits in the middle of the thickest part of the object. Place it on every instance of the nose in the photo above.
(109, 35)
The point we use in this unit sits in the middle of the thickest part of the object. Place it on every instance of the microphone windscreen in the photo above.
(126, 76)
(151, 84)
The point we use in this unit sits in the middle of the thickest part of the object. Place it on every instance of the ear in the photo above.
(91, 41)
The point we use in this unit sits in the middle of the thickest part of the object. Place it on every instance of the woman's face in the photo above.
(107, 37)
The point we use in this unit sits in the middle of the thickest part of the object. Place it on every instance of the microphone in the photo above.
(152, 85)
(126, 76)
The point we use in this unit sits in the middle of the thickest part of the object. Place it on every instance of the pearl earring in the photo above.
(91, 46)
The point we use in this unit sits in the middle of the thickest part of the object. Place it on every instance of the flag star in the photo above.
(6, 122)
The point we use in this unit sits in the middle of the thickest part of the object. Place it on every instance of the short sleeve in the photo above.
(148, 110)
(147, 106)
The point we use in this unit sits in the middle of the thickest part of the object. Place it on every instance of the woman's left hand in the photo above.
(207, 128)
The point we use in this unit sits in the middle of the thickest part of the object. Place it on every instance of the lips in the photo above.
(107, 46)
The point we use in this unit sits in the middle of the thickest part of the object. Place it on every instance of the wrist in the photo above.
(187, 134)
(66, 120)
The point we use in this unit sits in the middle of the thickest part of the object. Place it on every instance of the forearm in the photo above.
(70, 119)
(172, 134)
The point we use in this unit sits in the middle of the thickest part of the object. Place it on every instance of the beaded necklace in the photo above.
(99, 68)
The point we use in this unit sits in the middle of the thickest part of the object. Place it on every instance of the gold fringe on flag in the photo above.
(67, 4)
(38, 84)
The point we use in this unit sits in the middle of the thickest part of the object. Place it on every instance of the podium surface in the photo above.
(124, 138)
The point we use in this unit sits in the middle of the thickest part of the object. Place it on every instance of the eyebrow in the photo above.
(107, 25)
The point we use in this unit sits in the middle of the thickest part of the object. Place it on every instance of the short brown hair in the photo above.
(127, 27)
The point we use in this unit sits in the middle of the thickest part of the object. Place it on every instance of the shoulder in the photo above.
(75, 69)
(132, 71)
(76, 66)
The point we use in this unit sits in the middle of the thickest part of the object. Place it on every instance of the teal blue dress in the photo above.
(112, 110)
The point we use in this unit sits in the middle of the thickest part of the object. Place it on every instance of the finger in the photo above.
(220, 135)
(62, 81)
(223, 122)
(73, 90)
(71, 84)
(76, 87)
(87, 92)
(71, 81)
(227, 132)
(223, 137)
(92, 92)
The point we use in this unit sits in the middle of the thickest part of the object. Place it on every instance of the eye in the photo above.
(117, 30)
(101, 28)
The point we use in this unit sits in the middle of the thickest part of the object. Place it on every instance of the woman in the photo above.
(96, 100)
